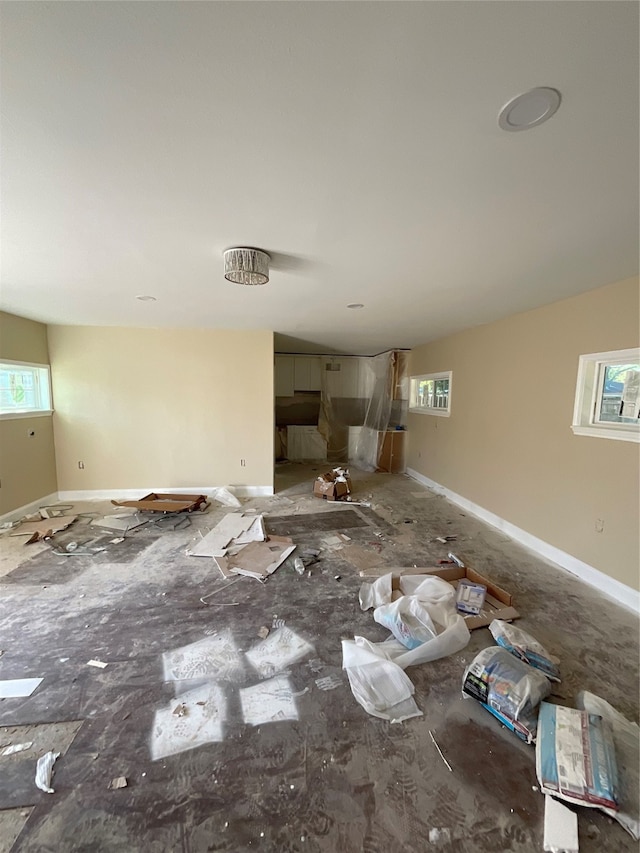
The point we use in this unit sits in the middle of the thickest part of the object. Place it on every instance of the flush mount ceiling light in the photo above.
(146, 298)
(243, 265)
(355, 305)
(529, 109)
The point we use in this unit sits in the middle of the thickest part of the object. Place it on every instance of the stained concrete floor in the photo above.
(332, 779)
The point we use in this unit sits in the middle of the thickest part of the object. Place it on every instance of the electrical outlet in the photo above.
(599, 525)
(81, 465)
(243, 463)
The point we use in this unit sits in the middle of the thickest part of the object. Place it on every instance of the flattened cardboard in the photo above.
(165, 502)
(37, 530)
(257, 559)
(498, 603)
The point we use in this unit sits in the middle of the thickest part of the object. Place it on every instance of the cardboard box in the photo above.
(498, 603)
(330, 488)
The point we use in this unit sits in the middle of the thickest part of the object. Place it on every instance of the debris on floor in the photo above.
(440, 753)
(166, 502)
(263, 633)
(525, 647)
(16, 747)
(257, 559)
(235, 528)
(18, 688)
(335, 485)
(180, 710)
(470, 597)
(498, 603)
(36, 531)
(44, 771)
(508, 688)
(98, 663)
(120, 521)
(560, 828)
(118, 782)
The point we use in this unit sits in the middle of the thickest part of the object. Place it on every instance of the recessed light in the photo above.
(146, 298)
(529, 109)
(355, 305)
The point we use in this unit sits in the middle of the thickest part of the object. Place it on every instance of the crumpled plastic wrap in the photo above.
(44, 769)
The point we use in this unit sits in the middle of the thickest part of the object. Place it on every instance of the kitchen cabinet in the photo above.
(306, 373)
(391, 451)
(284, 375)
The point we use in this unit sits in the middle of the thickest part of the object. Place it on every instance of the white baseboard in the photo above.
(27, 509)
(136, 494)
(621, 593)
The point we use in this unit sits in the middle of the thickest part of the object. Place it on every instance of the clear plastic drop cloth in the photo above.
(380, 371)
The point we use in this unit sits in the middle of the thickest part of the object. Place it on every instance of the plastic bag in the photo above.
(525, 647)
(225, 496)
(379, 685)
(626, 740)
(376, 593)
(408, 620)
(508, 688)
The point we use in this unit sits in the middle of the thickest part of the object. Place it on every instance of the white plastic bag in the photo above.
(408, 620)
(525, 647)
(225, 496)
(379, 685)
(376, 593)
(448, 632)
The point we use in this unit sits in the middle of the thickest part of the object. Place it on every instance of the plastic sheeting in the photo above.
(380, 379)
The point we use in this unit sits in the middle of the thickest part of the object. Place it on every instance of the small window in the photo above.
(430, 394)
(607, 403)
(25, 389)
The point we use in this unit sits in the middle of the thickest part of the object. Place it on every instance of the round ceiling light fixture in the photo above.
(355, 305)
(529, 109)
(243, 265)
(146, 298)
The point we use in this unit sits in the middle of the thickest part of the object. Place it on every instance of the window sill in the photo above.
(440, 413)
(38, 413)
(604, 432)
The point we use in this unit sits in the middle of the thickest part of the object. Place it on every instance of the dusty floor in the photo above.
(329, 779)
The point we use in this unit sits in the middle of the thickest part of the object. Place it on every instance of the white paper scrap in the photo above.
(281, 649)
(16, 747)
(99, 663)
(560, 828)
(18, 688)
(268, 702)
(44, 769)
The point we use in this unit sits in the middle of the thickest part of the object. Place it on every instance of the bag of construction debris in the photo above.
(575, 757)
(508, 688)
(525, 647)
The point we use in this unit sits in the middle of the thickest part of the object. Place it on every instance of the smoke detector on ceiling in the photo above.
(244, 265)
(529, 109)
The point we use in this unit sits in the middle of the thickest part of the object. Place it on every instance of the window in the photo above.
(25, 389)
(607, 403)
(430, 394)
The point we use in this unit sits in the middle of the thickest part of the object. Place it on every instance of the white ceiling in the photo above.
(356, 141)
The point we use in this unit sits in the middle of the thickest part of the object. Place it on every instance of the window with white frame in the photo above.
(430, 394)
(607, 402)
(25, 389)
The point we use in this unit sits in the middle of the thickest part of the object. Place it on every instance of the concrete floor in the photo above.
(331, 779)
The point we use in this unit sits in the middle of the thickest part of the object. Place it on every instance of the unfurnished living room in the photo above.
(319, 426)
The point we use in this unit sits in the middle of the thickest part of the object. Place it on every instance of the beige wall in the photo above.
(27, 462)
(508, 445)
(162, 408)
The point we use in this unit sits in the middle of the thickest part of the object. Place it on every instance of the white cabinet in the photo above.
(284, 376)
(305, 442)
(344, 379)
(306, 373)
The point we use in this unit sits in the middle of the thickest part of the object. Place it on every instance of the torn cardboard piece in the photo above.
(44, 528)
(16, 747)
(120, 521)
(118, 782)
(166, 502)
(257, 559)
(235, 528)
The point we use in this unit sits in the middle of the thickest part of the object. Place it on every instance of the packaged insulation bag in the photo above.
(575, 757)
(508, 688)
(525, 647)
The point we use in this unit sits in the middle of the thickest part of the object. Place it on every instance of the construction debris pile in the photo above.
(587, 756)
